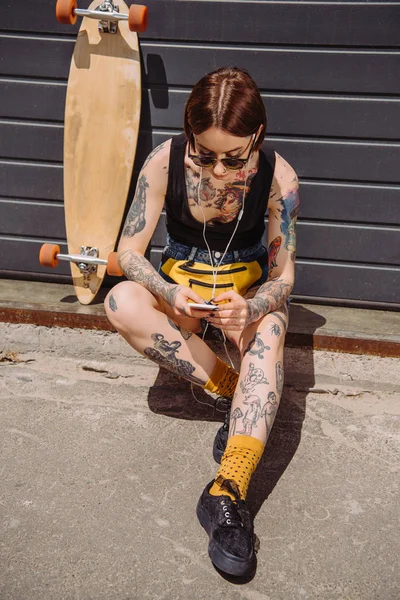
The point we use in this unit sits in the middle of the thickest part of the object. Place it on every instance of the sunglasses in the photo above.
(232, 164)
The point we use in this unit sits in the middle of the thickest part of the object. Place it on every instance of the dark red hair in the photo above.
(228, 99)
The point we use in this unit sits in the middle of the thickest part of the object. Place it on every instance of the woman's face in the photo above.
(218, 144)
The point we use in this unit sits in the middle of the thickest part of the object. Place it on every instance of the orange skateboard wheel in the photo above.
(138, 17)
(113, 267)
(65, 11)
(48, 255)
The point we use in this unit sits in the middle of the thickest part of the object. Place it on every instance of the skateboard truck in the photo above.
(88, 252)
(87, 261)
(108, 26)
(107, 13)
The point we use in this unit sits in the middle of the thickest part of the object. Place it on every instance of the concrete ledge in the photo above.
(331, 328)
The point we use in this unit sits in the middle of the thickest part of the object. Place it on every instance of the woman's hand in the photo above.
(178, 297)
(233, 314)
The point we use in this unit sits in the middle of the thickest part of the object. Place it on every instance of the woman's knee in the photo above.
(268, 334)
(127, 300)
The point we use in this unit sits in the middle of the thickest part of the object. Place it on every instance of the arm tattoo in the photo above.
(192, 184)
(269, 297)
(153, 153)
(135, 220)
(137, 268)
(273, 250)
(290, 208)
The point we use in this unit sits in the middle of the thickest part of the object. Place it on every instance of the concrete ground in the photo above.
(103, 458)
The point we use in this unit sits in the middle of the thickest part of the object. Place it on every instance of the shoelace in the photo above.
(230, 513)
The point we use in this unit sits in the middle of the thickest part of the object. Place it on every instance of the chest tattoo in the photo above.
(221, 203)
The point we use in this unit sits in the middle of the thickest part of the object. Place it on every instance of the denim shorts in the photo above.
(179, 251)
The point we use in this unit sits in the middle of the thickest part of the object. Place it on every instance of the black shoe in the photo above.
(221, 438)
(230, 529)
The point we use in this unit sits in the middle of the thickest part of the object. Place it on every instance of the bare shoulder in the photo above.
(154, 172)
(158, 159)
(284, 179)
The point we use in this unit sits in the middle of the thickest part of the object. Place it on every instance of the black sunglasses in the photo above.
(232, 164)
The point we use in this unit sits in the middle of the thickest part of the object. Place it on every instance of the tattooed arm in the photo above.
(283, 204)
(137, 268)
(141, 222)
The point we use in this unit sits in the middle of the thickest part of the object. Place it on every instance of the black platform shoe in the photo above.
(230, 528)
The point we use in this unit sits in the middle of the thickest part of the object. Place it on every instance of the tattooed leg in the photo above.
(261, 378)
(144, 322)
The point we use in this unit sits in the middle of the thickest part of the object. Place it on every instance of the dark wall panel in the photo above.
(278, 69)
(347, 282)
(31, 141)
(23, 255)
(32, 219)
(300, 114)
(285, 69)
(38, 100)
(352, 161)
(346, 202)
(304, 23)
(357, 244)
(25, 180)
(29, 56)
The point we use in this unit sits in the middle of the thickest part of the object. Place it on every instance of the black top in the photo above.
(184, 228)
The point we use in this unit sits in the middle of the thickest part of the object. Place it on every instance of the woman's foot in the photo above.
(230, 528)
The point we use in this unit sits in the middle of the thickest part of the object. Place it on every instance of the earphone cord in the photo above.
(216, 267)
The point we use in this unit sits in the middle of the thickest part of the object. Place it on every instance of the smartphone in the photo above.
(203, 306)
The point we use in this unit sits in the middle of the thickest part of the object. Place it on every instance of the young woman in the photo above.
(217, 185)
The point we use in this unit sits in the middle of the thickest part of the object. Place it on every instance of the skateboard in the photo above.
(102, 114)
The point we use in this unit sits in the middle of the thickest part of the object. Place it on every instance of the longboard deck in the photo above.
(102, 115)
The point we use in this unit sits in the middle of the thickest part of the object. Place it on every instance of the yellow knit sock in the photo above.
(240, 459)
(223, 380)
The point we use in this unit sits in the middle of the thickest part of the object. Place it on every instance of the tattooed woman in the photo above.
(217, 184)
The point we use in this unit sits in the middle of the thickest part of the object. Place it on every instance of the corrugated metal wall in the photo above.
(330, 76)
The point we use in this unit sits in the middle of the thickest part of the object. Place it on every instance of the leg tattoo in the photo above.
(112, 303)
(256, 346)
(269, 411)
(185, 333)
(279, 378)
(164, 353)
(254, 377)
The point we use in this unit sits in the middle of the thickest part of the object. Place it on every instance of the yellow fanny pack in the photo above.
(238, 277)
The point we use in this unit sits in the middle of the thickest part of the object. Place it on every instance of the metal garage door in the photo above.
(329, 75)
